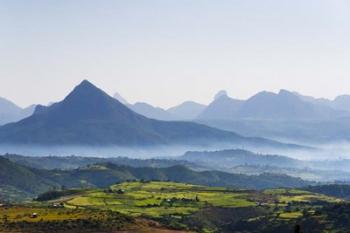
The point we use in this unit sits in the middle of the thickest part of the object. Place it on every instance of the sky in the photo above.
(167, 51)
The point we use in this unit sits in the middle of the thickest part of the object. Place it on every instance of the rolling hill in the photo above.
(32, 181)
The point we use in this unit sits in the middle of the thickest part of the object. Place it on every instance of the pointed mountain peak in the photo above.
(220, 94)
(86, 90)
(85, 84)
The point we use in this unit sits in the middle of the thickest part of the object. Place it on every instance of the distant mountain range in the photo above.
(146, 109)
(10, 112)
(88, 116)
(284, 105)
(287, 115)
(188, 110)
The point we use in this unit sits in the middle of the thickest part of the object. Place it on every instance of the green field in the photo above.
(185, 207)
(156, 199)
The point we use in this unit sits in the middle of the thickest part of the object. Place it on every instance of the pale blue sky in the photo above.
(168, 51)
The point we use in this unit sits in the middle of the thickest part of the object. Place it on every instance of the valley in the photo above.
(174, 116)
(179, 207)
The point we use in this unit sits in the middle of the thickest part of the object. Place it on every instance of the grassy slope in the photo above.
(155, 199)
(180, 206)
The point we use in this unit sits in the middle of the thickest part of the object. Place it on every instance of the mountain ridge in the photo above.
(89, 116)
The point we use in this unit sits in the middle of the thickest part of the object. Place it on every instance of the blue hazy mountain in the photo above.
(147, 110)
(188, 110)
(10, 112)
(88, 116)
(341, 102)
(152, 112)
(285, 105)
(264, 105)
(285, 115)
(222, 108)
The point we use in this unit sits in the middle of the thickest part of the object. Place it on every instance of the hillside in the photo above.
(34, 181)
(234, 157)
(19, 180)
(334, 190)
(155, 206)
(73, 162)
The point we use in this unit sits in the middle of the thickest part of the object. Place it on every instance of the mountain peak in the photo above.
(286, 92)
(86, 90)
(85, 84)
(220, 94)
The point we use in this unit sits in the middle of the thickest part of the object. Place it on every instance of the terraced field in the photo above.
(156, 199)
(149, 206)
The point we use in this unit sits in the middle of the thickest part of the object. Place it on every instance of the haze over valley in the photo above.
(174, 116)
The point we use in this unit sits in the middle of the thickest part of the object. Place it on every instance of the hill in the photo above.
(34, 181)
(334, 190)
(177, 206)
(17, 179)
(73, 162)
(234, 157)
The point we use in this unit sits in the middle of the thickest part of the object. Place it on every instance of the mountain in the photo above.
(223, 107)
(286, 115)
(285, 105)
(321, 101)
(10, 112)
(342, 102)
(188, 110)
(149, 111)
(118, 97)
(146, 109)
(88, 116)
(270, 106)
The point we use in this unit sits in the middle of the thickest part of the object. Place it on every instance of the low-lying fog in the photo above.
(333, 151)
